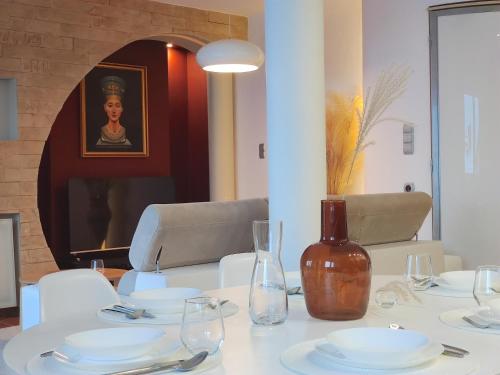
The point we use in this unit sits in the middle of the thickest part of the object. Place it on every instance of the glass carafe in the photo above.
(268, 300)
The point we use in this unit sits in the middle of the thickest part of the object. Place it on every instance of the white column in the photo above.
(221, 137)
(295, 80)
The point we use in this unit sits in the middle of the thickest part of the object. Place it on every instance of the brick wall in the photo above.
(49, 46)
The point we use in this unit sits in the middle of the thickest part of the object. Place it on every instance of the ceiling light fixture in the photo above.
(169, 45)
(230, 56)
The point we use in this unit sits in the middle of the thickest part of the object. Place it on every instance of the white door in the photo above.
(467, 110)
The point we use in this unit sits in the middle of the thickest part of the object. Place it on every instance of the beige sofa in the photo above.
(386, 225)
(194, 236)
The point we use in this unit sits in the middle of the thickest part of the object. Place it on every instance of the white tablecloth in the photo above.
(250, 349)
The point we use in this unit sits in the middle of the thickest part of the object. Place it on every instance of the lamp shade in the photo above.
(230, 56)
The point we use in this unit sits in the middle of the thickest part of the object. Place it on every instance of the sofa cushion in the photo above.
(385, 218)
(194, 233)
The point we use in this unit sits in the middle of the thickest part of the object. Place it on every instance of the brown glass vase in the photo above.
(336, 273)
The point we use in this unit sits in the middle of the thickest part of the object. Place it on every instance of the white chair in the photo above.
(74, 292)
(236, 269)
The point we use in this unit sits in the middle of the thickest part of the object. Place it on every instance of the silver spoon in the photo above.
(180, 365)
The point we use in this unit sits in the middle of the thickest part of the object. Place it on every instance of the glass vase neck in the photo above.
(333, 221)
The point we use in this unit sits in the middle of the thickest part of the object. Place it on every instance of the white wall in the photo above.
(250, 122)
(343, 70)
(344, 46)
(396, 32)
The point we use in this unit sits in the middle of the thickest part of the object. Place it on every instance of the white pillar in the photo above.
(295, 80)
(221, 137)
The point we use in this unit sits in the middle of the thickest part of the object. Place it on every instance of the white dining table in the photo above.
(249, 349)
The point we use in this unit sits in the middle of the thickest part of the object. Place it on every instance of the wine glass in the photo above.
(97, 265)
(202, 326)
(487, 285)
(419, 271)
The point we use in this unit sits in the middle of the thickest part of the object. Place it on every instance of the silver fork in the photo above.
(131, 310)
(479, 323)
(130, 315)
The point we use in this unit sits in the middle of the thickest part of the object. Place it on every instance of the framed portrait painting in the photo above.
(114, 119)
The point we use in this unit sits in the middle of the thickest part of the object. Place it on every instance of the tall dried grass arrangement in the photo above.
(344, 156)
(342, 128)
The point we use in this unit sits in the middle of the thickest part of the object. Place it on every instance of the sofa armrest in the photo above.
(390, 258)
(201, 276)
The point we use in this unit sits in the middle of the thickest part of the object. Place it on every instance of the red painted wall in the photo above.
(177, 97)
(189, 119)
(175, 147)
(197, 120)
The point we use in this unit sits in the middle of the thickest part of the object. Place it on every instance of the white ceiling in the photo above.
(240, 7)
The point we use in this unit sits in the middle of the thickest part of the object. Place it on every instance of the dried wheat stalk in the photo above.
(390, 85)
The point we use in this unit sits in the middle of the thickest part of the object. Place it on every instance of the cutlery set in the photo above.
(130, 312)
(133, 314)
(179, 365)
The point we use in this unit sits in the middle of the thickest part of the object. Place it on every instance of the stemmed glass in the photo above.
(97, 265)
(419, 271)
(202, 326)
(486, 285)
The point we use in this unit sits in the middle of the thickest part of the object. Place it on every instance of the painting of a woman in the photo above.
(113, 133)
(114, 111)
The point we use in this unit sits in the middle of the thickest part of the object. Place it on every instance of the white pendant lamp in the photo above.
(230, 56)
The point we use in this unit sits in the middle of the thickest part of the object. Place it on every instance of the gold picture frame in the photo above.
(114, 119)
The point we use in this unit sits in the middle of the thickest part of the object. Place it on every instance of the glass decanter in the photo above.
(268, 302)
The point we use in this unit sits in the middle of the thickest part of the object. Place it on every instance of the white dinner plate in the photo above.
(453, 318)
(457, 280)
(163, 300)
(159, 353)
(227, 310)
(112, 343)
(426, 354)
(377, 347)
(304, 359)
(49, 366)
(375, 343)
(443, 291)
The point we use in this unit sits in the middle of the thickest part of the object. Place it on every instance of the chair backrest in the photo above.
(74, 292)
(194, 233)
(236, 269)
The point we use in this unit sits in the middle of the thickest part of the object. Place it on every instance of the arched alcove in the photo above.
(89, 203)
(53, 58)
